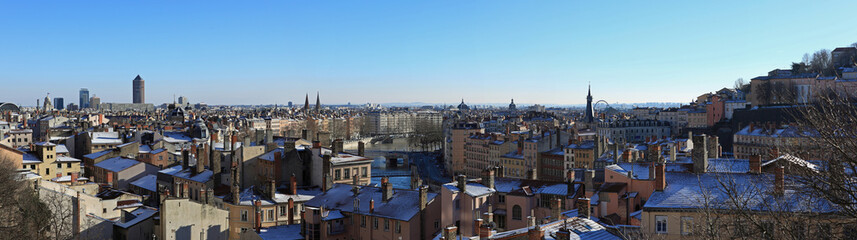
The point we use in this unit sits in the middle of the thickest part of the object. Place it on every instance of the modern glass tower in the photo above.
(84, 98)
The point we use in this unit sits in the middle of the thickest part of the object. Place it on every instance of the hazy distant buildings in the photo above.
(94, 102)
(382, 123)
(84, 98)
(139, 90)
(59, 103)
(183, 101)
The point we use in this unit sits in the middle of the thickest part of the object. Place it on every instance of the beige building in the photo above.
(454, 151)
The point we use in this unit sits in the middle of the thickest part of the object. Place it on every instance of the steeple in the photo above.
(317, 102)
(306, 103)
(590, 113)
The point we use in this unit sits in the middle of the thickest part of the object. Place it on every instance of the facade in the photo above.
(697, 119)
(385, 123)
(120, 172)
(764, 139)
(187, 219)
(454, 152)
(139, 90)
(629, 131)
(715, 110)
(731, 105)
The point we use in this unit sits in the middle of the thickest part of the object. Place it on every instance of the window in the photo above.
(365, 172)
(375, 223)
(33, 166)
(336, 174)
(363, 221)
(516, 212)
(68, 165)
(386, 224)
(686, 225)
(271, 215)
(436, 225)
(59, 165)
(283, 211)
(661, 224)
(47, 171)
(398, 227)
(243, 215)
(347, 173)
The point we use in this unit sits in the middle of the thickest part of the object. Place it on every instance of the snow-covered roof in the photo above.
(61, 149)
(202, 177)
(31, 159)
(403, 205)
(176, 137)
(145, 148)
(117, 164)
(67, 159)
(282, 232)
(693, 191)
(472, 189)
(137, 216)
(46, 144)
(97, 154)
(148, 182)
(109, 138)
(67, 178)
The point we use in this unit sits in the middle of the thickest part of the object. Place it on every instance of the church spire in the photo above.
(317, 102)
(306, 103)
(590, 113)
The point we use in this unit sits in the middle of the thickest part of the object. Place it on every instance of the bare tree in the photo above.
(22, 215)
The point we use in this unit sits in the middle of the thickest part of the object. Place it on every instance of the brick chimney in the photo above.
(291, 211)
(361, 149)
(258, 223)
(779, 183)
(293, 185)
(699, 154)
(372, 206)
(589, 181)
(386, 189)
(327, 182)
(278, 161)
(74, 178)
(316, 144)
(756, 164)
(488, 178)
(556, 209)
(450, 233)
(535, 233)
(660, 177)
(583, 207)
(109, 179)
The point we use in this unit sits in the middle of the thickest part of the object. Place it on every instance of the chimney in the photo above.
(588, 179)
(450, 233)
(199, 166)
(423, 197)
(293, 185)
(325, 163)
(291, 211)
(74, 178)
(462, 183)
(651, 170)
(477, 226)
(488, 178)
(327, 182)
(535, 233)
(520, 144)
(779, 183)
(660, 177)
(272, 189)
(531, 174)
(316, 144)
(339, 145)
(361, 149)
(109, 179)
(556, 209)
(288, 146)
(756, 164)
(258, 223)
(372, 206)
(752, 127)
(185, 190)
(387, 189)
(185, 159)
(699, 154)
(583, 207)
(236, 195)
(673, 149)
(278, 161)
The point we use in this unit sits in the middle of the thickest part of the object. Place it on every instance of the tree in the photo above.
(822, 63)
(22, 215)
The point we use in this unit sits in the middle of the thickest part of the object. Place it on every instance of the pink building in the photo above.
(715, 110)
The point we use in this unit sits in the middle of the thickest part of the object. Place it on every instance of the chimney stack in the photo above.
(556, 209)
(531, 174)
(756, 163)
(423, 197)
(293, 185)
(291, 211)
(74, 178)
(450, 233)
(372, 206)
(779, 182)
(258, 214)
(488, 178)
(386, 189)
(462, 183)
(699, 154)
(361, 149)
(327, 182)
(272, 189)
(583, 207)
(660, 177)
(589, 176)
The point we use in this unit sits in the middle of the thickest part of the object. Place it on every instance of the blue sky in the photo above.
(260, 52)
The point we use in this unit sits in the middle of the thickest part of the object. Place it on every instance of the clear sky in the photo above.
(261, 52)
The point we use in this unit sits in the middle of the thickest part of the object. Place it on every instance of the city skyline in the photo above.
(224, 54)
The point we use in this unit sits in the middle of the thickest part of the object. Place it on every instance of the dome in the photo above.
(463, 106)
(199, 130)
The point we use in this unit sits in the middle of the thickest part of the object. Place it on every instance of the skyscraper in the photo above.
(139, 90)
(59, 103)
(84, 98)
